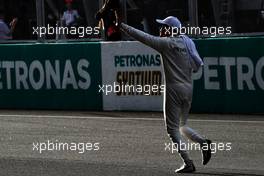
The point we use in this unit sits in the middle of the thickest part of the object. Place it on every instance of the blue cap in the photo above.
(170, 21)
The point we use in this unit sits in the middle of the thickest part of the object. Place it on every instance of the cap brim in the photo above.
(160, 21)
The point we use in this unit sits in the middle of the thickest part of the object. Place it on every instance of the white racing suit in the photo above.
(179, 88)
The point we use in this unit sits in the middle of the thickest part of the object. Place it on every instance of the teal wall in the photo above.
(75, 69)
(67, 76)
(239, 96)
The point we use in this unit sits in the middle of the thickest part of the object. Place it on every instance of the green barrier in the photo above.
(232, 80)
(50, 76)
(66, 76)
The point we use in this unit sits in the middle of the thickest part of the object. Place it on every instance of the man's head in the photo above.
(262, 14)
(167, 25)
(68, 4)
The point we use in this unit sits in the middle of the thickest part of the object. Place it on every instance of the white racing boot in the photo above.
(187, 167)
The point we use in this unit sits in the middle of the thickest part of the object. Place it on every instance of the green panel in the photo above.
(77, 70)
(235, 100)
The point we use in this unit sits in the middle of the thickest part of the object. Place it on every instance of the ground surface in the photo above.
(131, 144)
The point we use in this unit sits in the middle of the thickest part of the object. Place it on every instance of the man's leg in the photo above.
(172, 115)
(184, 128)
(193, 135)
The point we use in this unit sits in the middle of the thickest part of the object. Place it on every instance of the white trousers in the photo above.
(177, 104)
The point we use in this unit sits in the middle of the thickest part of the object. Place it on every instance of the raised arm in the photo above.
(157, 43)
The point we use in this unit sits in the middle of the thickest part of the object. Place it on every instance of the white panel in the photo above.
(109, 75)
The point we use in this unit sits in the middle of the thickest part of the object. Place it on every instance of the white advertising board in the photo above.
(132, 77)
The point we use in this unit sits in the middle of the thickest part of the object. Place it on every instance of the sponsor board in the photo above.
(231, 81)
(129, 76)
(133, 64)
(50, 76)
